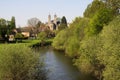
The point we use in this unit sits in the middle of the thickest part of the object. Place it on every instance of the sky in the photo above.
(23, 10)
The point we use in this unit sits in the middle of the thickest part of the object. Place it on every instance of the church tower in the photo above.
(55, 19)
(49, 18)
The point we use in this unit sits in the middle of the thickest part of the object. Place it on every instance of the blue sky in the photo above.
(26, 9)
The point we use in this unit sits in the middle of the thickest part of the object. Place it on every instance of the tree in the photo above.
(110, 51)
(102, 17)
(60, 39)
(69, 39)
(34, 22)
(113, 4)
(87, 61)
(19, 36)
(38, 26)
(63, 23)
(76, 34)
(92, 8)
(6, 27)
(3, 27)
(12, 25)
(42, 36)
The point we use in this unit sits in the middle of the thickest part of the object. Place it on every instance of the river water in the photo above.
(59, 66)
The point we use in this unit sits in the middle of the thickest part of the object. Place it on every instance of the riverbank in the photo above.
(32, 43)
(47, 42)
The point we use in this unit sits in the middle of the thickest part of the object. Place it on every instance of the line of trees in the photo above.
(93, 40)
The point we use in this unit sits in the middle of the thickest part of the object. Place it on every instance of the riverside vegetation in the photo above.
(19, 62)
(93, 42)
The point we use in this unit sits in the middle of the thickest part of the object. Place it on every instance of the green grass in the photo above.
(30, 42)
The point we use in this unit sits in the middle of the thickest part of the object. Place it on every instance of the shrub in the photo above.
(42, 36)
(59, 40)
(87, 61)
(18, 62)
(110, 53)
(99, 20)
(19, 36)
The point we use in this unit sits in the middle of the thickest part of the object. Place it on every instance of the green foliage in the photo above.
(87, 61)
(59, 40)
(63, 23)
(76, 34)
(42, 36)
(12, 25)
(102, 17)
(19, 36)
(78, 27)
(94, 43)
(62, 26)
(110, 53)
(6, 27)
(72, 46)
(70, 38)
(17, 62)
(114, 5)
(99, 55)
(3, 27)
(92, 8)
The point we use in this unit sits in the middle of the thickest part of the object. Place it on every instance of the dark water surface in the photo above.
(59, 66)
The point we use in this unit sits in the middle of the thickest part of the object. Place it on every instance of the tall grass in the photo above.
(19, 62)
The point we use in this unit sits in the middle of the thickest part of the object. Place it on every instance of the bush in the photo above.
(99, 20)
(76, 34)
(42, 36)
(110, 52)
(19, 36)
(87, 61)
(72, 46)
(69, 39)
(59, 40)
(18, 62)
(100, 55)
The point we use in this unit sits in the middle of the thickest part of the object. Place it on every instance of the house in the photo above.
(11, 38)
(26, 34)
(27, 31)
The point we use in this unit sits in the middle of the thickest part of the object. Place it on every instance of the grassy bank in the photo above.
(46, 42)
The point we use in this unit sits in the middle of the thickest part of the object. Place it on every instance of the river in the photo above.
(59, 66)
